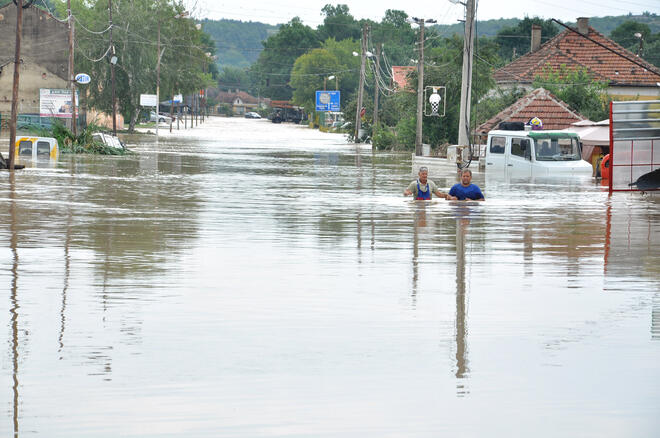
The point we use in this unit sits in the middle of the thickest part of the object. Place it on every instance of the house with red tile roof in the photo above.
(240, 101)
(554, 113)
(400, 76)
(628, 76)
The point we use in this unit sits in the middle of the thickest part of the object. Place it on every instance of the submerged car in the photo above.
(536, 152)
(252, 115)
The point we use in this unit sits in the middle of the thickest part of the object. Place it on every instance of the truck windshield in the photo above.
(557, 149)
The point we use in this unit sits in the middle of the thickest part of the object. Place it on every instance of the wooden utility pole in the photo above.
(420, 84)
(365, 28)
(158, 81)
(379, 48)
(466, 80)
(112, 75)
(72, 74)
(14, 93)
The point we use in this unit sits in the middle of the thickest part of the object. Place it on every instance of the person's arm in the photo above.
(409, 191)
(452, 194)
(440, 194)
(480, 196)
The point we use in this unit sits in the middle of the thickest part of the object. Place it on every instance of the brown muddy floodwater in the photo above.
(246, 279)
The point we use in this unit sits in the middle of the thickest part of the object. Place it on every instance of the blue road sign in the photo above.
(328, 101)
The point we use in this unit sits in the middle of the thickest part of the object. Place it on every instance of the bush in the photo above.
(383, 138)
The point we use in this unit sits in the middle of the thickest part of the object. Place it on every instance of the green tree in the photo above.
(185, 61)
(272, 72)
(308, 73)
(517, 39)
(578, 89)
(338, 24)
(624, 34)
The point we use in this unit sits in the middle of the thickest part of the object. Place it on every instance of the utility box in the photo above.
(426, 150)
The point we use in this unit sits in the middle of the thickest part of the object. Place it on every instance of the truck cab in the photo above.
(535, 153)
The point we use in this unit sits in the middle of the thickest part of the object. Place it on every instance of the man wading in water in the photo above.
(422, 188)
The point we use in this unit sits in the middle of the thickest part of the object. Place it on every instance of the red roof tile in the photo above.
(540, 103)
(576, 51)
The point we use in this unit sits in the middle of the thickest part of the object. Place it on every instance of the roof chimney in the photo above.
(536, 37)
(583, 25)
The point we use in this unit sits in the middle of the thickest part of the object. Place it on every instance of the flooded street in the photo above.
(247, 279)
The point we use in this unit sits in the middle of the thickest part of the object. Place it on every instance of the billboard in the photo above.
(328, 101)
(56, 102)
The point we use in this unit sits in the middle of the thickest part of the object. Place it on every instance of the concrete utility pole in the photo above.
(72, 74)
(420, 83)
(112, 75)
(365, 28)
(379, 48)
(466, 80)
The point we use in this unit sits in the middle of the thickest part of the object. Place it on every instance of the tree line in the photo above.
(298, 60)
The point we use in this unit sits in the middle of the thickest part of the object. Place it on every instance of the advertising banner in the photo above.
(56, 102)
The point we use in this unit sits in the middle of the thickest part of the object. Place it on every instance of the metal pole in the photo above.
(361, 87)
(72, 80)
(420, 89)
(112, 75)
(379, 48)
(14, 94)
(466, 80)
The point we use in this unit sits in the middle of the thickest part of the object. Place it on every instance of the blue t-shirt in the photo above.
(470, 192)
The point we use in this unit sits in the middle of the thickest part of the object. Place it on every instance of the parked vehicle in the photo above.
(535, 153)
(161, 117)
(252, 115)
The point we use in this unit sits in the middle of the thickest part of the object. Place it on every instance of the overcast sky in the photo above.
(281, 11)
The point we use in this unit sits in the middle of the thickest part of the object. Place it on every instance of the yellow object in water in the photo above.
(36, 147)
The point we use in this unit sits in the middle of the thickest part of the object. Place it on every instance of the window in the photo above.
(25, 147)
(520, 147)
(43, 148)
(497, 145)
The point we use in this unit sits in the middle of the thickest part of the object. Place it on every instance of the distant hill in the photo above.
(238, 42)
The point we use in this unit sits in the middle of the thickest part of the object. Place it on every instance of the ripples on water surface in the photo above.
(246, 279)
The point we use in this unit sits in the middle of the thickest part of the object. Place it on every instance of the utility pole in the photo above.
(14, 93)
(72, 74)
(379, 48)
(365, 27)
(112, 75)
(158, 81)
(466, 80)
(420, 83)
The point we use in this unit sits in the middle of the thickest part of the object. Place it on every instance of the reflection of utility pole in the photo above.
(17, 72)
(72, 74)
(466, 80)
(379, 48)
(363, 54)
(13, 243)
(420, 83)
(461, 311)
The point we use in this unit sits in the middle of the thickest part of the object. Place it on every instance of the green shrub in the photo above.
(383, 138)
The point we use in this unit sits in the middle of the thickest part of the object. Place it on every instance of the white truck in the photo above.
(535, 153)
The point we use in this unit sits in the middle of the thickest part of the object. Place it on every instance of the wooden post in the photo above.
(14, 94)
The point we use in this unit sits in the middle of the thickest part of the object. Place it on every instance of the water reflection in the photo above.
(462, 369)
(13, 244)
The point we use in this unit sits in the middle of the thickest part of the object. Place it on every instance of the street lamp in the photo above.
(331, 77)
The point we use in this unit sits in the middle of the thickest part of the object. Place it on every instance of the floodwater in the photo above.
(246, 279)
